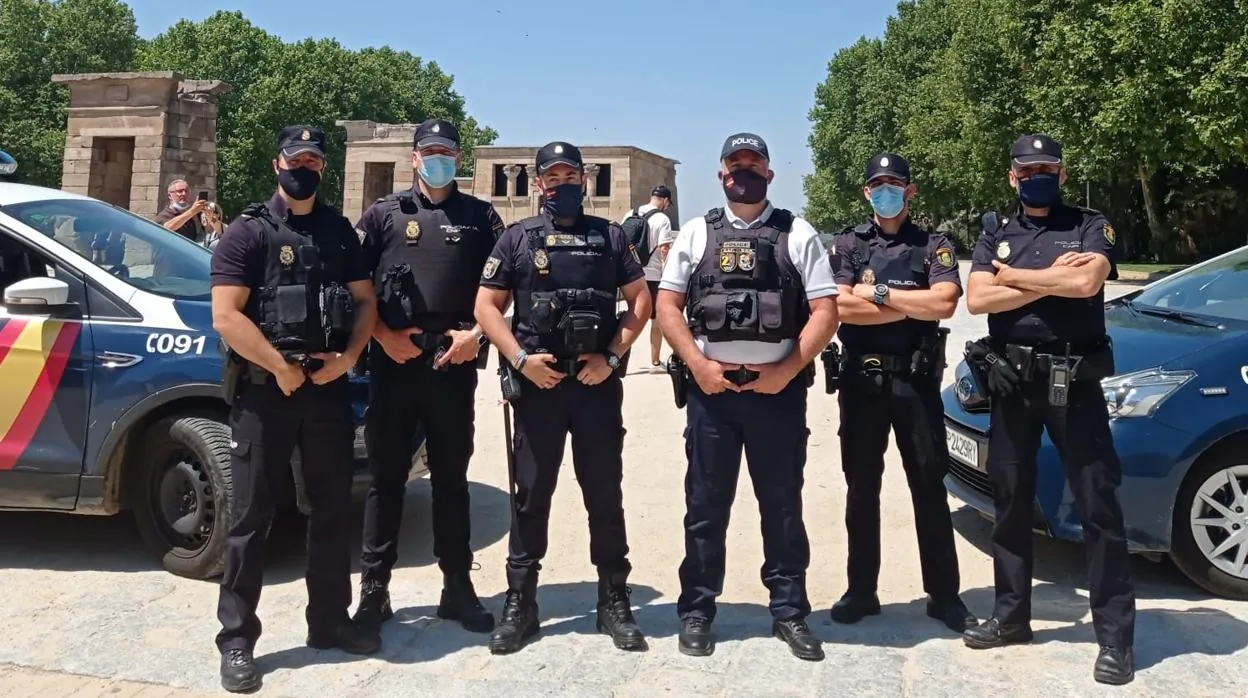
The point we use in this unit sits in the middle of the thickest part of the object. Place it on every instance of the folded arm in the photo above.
(935, 303)
(853, 310)
(983, 296)
(1064, 281)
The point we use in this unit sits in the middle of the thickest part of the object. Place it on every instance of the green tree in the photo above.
(39, 39)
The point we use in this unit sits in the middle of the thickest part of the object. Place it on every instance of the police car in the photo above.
(111, 376)
(1179, 417)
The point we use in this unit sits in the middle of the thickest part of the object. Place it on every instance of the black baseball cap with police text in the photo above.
(293, 140)
(559, 153)
(1036, 149)
(888, 165)
(744, 141)
(436, 132)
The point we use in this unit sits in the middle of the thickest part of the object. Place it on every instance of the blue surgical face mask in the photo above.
(888, 200)
(437, 170)
(1041, 190)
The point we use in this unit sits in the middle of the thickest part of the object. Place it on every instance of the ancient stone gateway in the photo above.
(379, 161)
(131, 134)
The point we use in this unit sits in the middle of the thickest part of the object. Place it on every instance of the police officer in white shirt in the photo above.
(761, 300)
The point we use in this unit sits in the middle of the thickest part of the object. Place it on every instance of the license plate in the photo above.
(964, 448)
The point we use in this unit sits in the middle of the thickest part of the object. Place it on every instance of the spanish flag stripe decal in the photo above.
(35, 372)
(8, 335)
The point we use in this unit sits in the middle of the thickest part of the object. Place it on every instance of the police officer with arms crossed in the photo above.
(426, 247)
(762, 306)
(1040, 277)
(897, 282)
(286, 280)
(565, 269)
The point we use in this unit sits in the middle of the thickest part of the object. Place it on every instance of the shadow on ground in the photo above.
(64, 542)
(1062, 562)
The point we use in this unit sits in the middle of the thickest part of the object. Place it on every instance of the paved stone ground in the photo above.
(83, 599)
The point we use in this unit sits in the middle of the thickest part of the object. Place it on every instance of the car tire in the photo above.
(182, 494)
(1185, 549)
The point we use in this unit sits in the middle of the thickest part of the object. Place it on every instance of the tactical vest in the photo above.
(898, 337)
(303, 306)
(426, 270)
(569, 300)
(746, 286)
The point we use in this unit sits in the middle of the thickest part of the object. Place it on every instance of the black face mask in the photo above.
(299, 184)
(744, 186)
(564, 201)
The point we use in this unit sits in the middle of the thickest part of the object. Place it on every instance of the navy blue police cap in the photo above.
(559, 153)
(744, 141)
(1036, 149)
(433, 132)
(888, 165)
(293, 140)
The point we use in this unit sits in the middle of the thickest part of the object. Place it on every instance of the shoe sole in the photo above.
(978, 645)
(626, 645)
(246, 686)
(1114, 680)
(503, 648)
(471, 627)
(812, 656)
(691, 652)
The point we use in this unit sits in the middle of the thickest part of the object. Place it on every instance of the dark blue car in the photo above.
(110, 376)
(1179, 415)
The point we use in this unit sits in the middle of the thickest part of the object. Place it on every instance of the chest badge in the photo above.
(413, 231)
(1003, 250)
(286, 255)
(868, 276)
(745, 260)
(541, 260)
(727, 261)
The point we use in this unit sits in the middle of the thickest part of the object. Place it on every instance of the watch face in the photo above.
(881, 289)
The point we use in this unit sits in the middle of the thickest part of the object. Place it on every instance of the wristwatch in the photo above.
(881, 293)
(612, 360)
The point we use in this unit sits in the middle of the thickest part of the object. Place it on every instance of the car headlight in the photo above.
(1139, 394)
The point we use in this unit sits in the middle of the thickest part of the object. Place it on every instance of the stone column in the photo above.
(511, 172)
(591, 176)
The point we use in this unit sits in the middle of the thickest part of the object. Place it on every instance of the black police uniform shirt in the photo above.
(510, 265)
(465, 218)
(239, 257)
(1024, 242)
(892, 264)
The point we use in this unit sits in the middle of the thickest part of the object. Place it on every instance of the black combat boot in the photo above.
(460, 602)
(993, 633)
(1114, 666)
(518, 623)
(238, 671)
(952, 612)
(374, 608)
(615, 613)
(851, 609)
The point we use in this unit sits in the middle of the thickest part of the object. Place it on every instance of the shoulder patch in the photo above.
(944, 257)
(1110, 236)
(491, 267)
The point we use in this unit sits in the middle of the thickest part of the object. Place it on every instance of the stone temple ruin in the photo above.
(131, 134)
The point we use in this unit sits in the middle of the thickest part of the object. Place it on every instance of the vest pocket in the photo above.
(292, 304)
(714, 312)
(772, 311)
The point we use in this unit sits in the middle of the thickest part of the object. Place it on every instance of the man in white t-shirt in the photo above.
(661, 238)
(762, 305)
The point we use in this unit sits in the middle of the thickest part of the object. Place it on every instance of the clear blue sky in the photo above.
(673, 77)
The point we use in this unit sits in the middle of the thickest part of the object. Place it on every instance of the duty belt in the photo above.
(1084, 365)
(869, 363)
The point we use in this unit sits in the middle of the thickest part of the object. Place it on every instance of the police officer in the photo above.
(564, 348)
(1040, 278)
(286, 280)
(762, 306)
(426, 247)
(897, 282)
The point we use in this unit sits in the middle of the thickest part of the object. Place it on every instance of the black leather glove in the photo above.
(1001, 378)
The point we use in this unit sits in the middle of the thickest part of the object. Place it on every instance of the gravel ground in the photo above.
(85, 602)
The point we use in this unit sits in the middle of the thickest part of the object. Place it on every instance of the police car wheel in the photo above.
(182, 493)
(1210, 539)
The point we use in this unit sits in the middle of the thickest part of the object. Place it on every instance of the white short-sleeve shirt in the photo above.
(660, 234)
(808, 255)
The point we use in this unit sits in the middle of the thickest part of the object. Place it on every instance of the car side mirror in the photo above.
(38, 293)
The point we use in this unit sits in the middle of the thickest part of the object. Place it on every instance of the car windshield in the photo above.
(1218, 289)
(142, 253)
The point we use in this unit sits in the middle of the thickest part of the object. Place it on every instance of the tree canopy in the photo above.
(273, 84)
(1148, 97)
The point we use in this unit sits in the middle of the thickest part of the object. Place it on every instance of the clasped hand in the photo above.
(772, 378)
